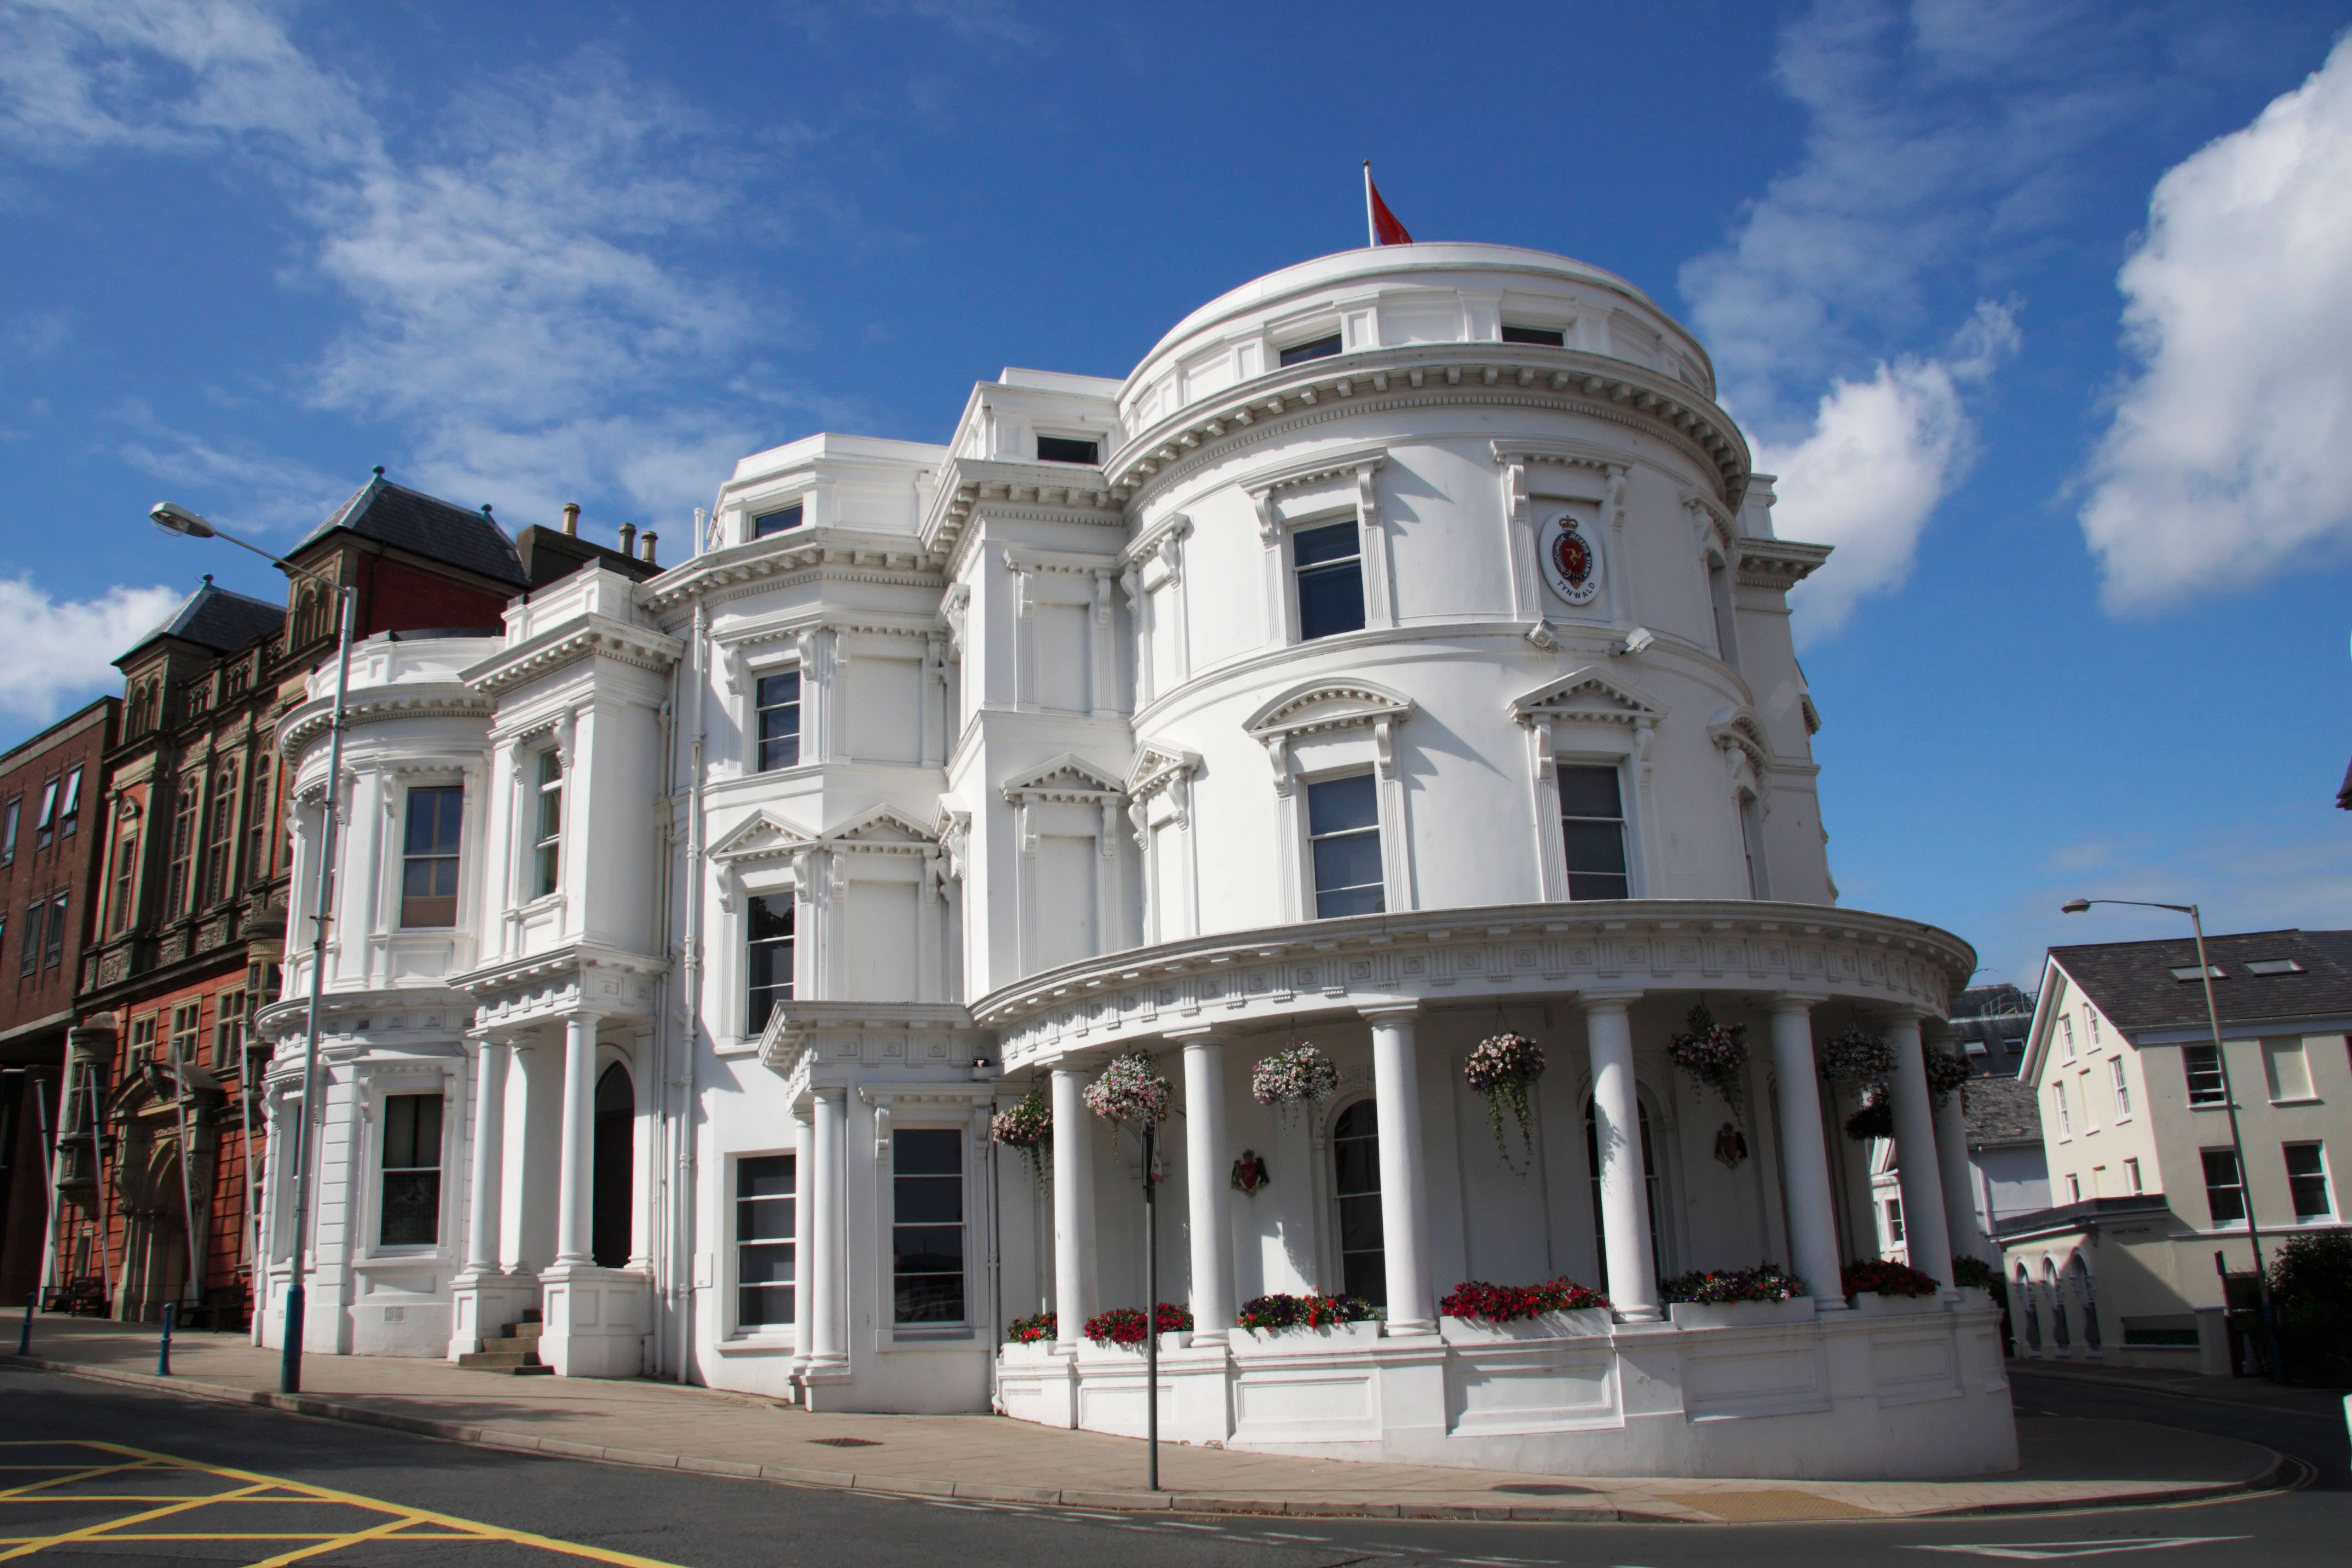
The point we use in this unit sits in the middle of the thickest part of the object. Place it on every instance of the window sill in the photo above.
(922, 1333)
(2300, 1100)
(736, 1048)
(758, 1344)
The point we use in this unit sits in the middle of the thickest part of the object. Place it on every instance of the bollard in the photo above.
(164, 1353)
(24, 1340)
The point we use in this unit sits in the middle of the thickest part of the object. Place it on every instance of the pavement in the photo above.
(2068, 1463)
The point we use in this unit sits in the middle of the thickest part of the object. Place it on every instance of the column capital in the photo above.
(1202, 1034)
(1380, 1011)
(1797, 1001)
(1615, 998)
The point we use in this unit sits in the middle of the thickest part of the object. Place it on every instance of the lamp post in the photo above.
(179, 519)
(2230, 1102)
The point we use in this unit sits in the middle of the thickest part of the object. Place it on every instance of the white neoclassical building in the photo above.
(1400, 653)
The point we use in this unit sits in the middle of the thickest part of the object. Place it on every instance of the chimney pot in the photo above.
(572, 518)
(628, 538)
(650, 537)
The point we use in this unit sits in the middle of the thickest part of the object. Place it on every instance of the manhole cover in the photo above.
(848, 1442)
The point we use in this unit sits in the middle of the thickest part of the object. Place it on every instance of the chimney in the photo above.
(572, 519)
(628, 538)
(650, 538)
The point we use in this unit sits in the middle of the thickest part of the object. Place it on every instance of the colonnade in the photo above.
(495, 1070)
(1815, 1255)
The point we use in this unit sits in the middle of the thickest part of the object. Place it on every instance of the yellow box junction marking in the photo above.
(391, 1522)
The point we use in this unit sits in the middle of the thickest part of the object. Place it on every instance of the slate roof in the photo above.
(215, 618)
(427, 526)
(1999, 1110)
(2133, 984)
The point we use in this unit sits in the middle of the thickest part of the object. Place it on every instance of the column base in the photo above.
(1641, 1314)
(482, 1304)
(1407, 1327)
(598, 1321)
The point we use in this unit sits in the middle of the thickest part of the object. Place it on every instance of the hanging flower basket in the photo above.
(1027, 1129)
(1501, 1067)
(1874, 1120)
(1946, 1071)
(1130, 1092)
(1290, 1079)
(1712, 1054)
(1857, 1058)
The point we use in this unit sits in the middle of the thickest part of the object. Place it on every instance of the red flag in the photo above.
(1383, 223)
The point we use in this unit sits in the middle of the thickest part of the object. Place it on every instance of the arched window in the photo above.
(1356, 1163)
(1649, 1189)
(2026, 1304)
(611, 1222)
(2058, 1334)
(2086, 1300)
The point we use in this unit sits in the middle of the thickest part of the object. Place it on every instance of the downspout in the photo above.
(55, 1147)
(682, 1244)
(657, 1204)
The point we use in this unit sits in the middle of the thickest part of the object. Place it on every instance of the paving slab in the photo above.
(2066, 1463)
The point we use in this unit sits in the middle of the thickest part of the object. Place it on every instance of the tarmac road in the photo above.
(356, 1494)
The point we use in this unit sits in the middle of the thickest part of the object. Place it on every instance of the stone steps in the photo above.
(516, 1351)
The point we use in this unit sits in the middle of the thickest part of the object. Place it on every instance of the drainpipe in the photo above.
(657, 1213)
(683, 1245)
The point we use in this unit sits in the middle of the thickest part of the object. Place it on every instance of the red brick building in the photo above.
(49, 791)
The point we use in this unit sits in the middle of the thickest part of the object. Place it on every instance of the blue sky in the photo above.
(2043, 310)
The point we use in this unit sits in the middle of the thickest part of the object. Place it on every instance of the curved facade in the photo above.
(1400, 653)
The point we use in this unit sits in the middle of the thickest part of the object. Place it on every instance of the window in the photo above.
(768, 959)
(1893, 1219)
(53, 951)
(1592, 823)
(412, 1170)
(2065, 1118)
(2225, 1187)
(183, 846)
(778, 702)
(927, 1223)
(2132, 1180)
(1315, 348)
(1751, 845)
(1329, 563)
(1650, 1190)
(220, 839)
(2091, 1019)
(782, 519)
(1356, 1162)
(2121, 1085)
(2273, 966)
(2013, 1046)
(2306, 1179)
(4, 928)
(2066, 1035)
(260, 858)
(1067, 449)
(2189, 971)
(45, 827)
(2073, 1189)
(763, 1241)
(69, 804)
(2090, 1116)
(9, 831)
(428, 879)
(126, 872)
(143, 1039)
(1726, 614)
(547, 834)
(2202, 1063)
(229, 1030)
(187, 1023)
(29, 960)
(1549, 337)
(1343, 833)
(2286, 1071)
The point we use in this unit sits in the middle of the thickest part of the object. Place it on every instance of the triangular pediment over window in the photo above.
(1328, 705)
(1591, 695)
(1155, 765)
(882, 827)
(764, 838)
(1068, 777)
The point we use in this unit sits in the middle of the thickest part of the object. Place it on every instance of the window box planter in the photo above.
(1300, 1340)
(1871, 1304)
(1976, 1298)
(1025, 1355)
(1582, 1324)
(1175, 1339)
(1740, 1314)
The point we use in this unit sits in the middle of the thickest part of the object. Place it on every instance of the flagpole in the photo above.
(1371, 231)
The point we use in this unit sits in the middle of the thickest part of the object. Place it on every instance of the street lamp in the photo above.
(174, 518)
(2230, 1102)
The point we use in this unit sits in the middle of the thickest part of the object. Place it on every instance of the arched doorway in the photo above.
(1649, 1189)
(1356, 1183)
(611, 1220)
(2059, 1337)
(2087, 1301)
(2032, 1312)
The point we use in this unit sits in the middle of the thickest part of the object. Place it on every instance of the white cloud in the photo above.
(2230, 457)
(52, 651)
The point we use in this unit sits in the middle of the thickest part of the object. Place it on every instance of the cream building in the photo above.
(2146, 1188)
(1400, 653)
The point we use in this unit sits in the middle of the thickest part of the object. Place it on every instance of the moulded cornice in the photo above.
(763, 836)
(882, 828)
(1435, 374)
(301, 727)
(1779, 564)
(1323, 705)
(588, 636)
(1564, 454)
(1738, 728)
(1060, 492)
(1158, 766)
(1068, 777)
(929, 1051)
(1591, 695)
(850, 556)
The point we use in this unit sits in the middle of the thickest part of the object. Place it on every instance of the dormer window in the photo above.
(1315, 348)
(1067, 449)
(1549, 337)
(782, 519)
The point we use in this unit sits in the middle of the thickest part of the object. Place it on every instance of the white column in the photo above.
(1804, 1156)
(1624, 1191)
(1404, 1187)
(826, 1351)
(577, 1186)
(489, 1153)
(1208, 1218)
(804, 1241)
(1074, 1206)
(1959, 1192)
(1924, 1230)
